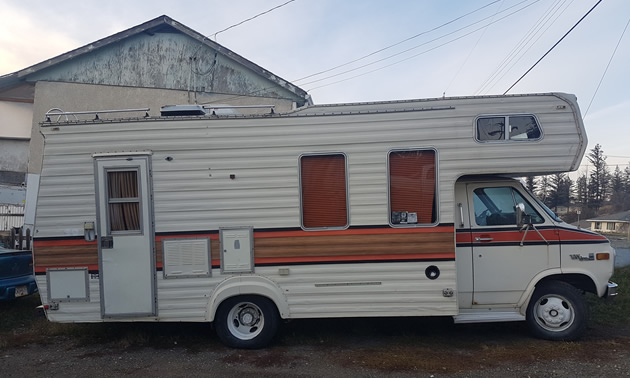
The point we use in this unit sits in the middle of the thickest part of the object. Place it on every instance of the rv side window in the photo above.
(412, 187)
(495, 207)
(503, 128)
(123, 201)
(323, 186)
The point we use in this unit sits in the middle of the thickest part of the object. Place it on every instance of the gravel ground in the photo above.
(504, 350)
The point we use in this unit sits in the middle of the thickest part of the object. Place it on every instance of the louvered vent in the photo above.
(186, 257)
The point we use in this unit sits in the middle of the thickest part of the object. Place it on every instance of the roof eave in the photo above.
(15, 77)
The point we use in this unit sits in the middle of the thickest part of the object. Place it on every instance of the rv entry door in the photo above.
(125, 235)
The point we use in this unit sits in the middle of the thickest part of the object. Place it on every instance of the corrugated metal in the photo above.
(193, 190)
(357, 290)
(11, 216)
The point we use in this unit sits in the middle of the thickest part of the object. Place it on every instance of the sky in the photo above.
(387, 50)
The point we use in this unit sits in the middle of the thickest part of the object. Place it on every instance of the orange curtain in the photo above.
(124, 216)
(412, 183)
(323, 179)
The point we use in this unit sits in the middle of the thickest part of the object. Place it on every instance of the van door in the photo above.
(125, 235)
(502, 267)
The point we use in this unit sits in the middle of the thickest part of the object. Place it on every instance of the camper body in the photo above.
(401, 208)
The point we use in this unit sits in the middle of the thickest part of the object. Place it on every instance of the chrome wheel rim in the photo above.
(245, 320)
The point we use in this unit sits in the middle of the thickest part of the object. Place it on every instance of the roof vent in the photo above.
(182, 110)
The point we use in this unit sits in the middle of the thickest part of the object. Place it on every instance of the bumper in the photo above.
(611, 290)
(8, 287)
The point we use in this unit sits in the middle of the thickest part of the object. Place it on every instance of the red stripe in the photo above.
(577, 235)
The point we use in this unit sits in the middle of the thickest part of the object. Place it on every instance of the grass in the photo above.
(387, 344)
(616, 312)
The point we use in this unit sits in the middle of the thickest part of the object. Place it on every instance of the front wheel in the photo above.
(248, 322)
(557, 311)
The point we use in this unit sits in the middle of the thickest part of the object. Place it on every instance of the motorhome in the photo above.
(398, 208)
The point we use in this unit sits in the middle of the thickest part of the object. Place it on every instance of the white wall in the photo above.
(16, 119)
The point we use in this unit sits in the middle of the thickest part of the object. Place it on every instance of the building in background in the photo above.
(160, 62)
(618, 223)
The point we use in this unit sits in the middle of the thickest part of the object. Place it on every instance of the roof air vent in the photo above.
(182, 110)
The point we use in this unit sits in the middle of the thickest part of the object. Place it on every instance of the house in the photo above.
(160, 62)
(618, 223)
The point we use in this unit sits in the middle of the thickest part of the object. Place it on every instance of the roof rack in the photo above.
(58, 112)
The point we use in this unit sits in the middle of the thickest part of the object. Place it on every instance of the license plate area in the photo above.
(21, 291)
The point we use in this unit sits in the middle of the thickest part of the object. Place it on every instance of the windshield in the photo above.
(540, 203)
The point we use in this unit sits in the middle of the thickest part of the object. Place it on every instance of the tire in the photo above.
(557, 311)
(246, 322)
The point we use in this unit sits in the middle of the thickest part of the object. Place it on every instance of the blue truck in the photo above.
(16, 274)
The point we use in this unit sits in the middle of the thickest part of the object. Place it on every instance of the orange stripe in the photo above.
(271, 234)
(58, 242)
(513, 236)
(289, 260)
(314, 259)
(159, 238)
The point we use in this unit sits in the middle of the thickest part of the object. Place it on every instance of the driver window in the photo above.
(495, 207)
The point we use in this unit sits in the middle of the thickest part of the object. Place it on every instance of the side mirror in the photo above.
(519, 209)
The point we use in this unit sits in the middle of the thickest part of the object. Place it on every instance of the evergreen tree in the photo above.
(617, 190)
(560, 190)
(543, 189)
(598, 185)
(626, 187)
(581, 195)
(530, 183)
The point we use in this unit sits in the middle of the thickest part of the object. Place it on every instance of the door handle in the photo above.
(483, 239)
(107, 242)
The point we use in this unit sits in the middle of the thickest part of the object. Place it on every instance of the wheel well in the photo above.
(253, 285)
(579, 281)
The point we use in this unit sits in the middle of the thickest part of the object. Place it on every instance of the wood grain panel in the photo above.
(349, 245)
(59, 254)
(65, 255)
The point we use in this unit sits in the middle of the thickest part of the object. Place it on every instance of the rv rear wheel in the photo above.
(248, 322)
(557, 311)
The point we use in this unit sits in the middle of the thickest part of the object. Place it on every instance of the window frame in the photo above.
(109, 201)
(301, 192)
(513, 189)
(506, 123)
(436, 188)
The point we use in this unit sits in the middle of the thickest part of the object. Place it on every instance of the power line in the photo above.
(420, 45)
(398, 43)
(516, 50)
(524, 53)
(552, 47)
(251, 18)
(606, 70)
(413, 48)
(471, 52)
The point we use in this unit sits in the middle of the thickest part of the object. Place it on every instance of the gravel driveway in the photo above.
(331, 348)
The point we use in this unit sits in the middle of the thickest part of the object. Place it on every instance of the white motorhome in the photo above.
(400, 208)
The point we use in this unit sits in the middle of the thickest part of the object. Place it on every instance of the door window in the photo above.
(123, 201)
(494, 206)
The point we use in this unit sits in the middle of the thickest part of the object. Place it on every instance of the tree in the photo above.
(560, 190)
(530, 183)
(599, 178)
(617, 190)
(543, 188)
(581, 193)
